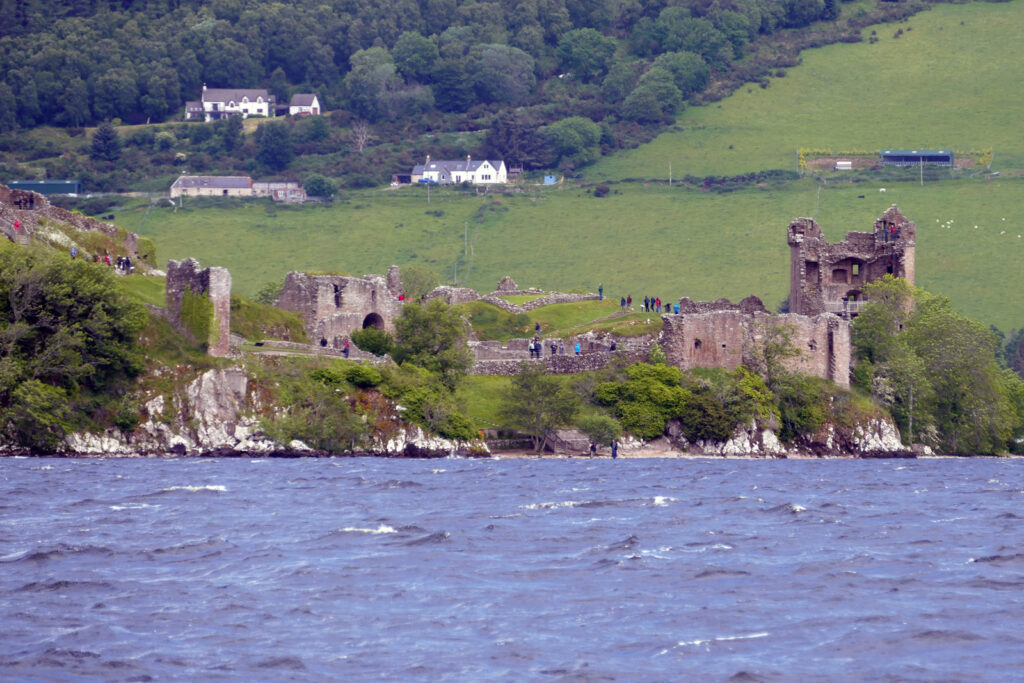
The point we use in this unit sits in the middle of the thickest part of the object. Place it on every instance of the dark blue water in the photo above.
(468, 570)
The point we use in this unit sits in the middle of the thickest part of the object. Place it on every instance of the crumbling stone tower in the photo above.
(829, 278)
(187, 290)
(334, 306)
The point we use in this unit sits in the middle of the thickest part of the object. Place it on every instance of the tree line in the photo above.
(79, 62)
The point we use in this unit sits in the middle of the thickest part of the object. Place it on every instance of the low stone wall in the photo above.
(453, 295)
(354, 353)
(495, 299)
(557, 365)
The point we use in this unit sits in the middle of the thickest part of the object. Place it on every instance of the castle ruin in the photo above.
(829, 278)
(334, 306)
(186, 280)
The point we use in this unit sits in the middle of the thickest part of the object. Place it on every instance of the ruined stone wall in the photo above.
(823, 274)
(558, 365)
(214, 284)
(334, 306)
(453, 295)
(727, 339)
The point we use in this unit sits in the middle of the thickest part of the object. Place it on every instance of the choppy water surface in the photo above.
(515, 569)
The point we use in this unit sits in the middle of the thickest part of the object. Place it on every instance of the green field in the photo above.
(951, 80)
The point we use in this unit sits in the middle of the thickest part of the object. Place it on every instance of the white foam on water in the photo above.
(663, 501)
(438, 471)
(716, 639)
(193, 489)
(382, 529)
(552, 505)
(132, 506)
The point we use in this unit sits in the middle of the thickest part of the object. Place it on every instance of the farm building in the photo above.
(916, 157)
(48, 187)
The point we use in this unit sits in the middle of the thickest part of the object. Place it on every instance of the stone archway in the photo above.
(373, 320)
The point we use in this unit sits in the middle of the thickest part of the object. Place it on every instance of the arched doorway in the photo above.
(373, 320)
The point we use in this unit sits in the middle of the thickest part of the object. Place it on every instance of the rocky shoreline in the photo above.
(217, 415)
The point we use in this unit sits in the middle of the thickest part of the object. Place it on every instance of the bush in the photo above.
(601, 191)
(372, 340)
(600, 428)
(363, 376)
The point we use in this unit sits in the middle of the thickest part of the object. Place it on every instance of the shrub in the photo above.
(363, 376)
(372, 340)
(601, 191)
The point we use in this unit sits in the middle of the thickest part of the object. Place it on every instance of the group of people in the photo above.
(121, 263)
(652, 304)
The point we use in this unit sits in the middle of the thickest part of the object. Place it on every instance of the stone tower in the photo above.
(829, 278)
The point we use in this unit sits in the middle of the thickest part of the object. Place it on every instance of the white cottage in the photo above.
(304, 103)
(483, 172)
(220, 103)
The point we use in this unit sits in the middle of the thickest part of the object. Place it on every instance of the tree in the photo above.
(585, 53)
(934, 369)
(360, 135)
(415, 56)
(229, 132)
(371, 77)
(537, 404)
(418, 280)
(654, 99)
(66, 336)
(317, 185)
(8, 109)
(514, 136)
(689, 71)
(106, 143)
(274, 143)
(575, 141)
(675, 30)
(432, 336)
(502, 74)
(600, 428)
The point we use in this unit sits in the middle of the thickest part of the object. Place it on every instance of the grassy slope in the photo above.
(941, 85)
(671, 242)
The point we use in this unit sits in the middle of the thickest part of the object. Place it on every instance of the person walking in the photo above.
(647, 303)
(629, 301)
(622, 304)
(593, 449)
(600, 292)
(344, 349)
(577, 348)
(615, 449)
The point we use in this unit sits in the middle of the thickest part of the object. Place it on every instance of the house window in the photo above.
(485, 177)
(856, 269)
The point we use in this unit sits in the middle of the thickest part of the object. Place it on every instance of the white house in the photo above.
(212, 186)
(220, 103)
(304, 103)
(484, 172)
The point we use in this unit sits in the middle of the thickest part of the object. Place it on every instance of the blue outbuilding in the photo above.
(916, 157)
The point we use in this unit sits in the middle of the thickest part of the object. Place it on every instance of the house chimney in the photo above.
(204, 87)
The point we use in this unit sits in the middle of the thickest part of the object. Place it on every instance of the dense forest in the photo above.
(555, 83)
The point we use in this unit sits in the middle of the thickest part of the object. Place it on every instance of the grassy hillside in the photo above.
(949, 81)
(666, 242)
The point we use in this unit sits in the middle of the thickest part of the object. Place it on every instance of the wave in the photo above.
(720, 573)
(62, 585)
(382, 529)
(792, 508)
(1000, 560)
(436, 537)
(57, 552)
(716, 639)
(195, 489)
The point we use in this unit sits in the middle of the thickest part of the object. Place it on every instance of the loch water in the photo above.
(517, 569)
